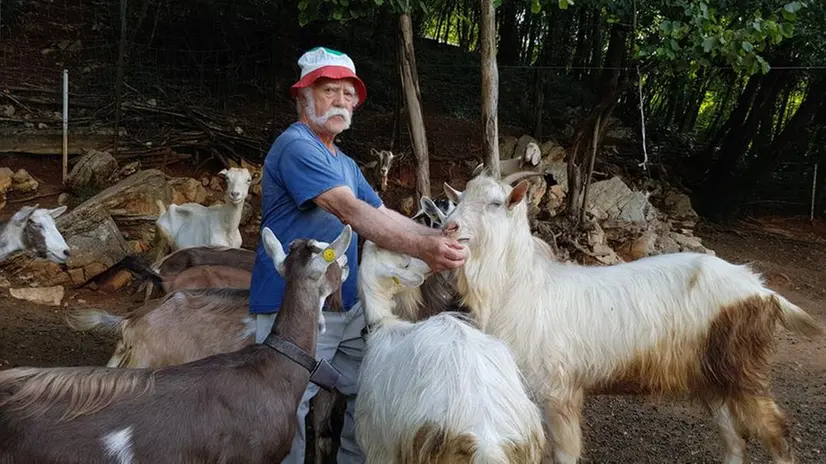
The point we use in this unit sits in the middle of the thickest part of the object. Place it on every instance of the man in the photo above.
(311, 189)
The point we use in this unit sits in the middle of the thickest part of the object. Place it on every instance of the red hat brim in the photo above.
(332, 72)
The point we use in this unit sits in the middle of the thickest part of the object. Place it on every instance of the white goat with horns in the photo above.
(681, 323)
(439, 390)
(33, 229)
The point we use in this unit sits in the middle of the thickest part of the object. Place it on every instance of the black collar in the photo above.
(321, 372)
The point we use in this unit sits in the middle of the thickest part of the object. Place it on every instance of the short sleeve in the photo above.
(366, 192)
(306, 172)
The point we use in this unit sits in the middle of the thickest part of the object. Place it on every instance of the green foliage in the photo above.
(690, 34)
(344, 10)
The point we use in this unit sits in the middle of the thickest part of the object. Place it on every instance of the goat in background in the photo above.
(192, 224)
(681, 323)
(33, 229)
(199, 411)
(438, 390)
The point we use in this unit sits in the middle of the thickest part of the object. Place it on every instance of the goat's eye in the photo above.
(496, 203)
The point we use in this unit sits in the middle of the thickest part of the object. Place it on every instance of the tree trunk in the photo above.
(717, 193)
(596, 46)
(410, 83)
(490, 87)
(793, 138)
(580, 55)
(590, 131)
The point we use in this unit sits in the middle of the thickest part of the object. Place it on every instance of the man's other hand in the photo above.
(441, 253)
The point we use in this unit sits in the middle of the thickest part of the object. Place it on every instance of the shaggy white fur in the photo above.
(436, 389)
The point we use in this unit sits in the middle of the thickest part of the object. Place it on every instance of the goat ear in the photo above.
(371, 164)
(256, 177)
(57, 211)
(454, 195)
(23, 215)
(375, 153)
(274, 249)
(433, 212)
(342, 242)
(223, 173)
(517, 194)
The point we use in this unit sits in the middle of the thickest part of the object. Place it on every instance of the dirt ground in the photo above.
(790, 253)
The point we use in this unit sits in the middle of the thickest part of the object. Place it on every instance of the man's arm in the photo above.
(384, 230)
(409, 224)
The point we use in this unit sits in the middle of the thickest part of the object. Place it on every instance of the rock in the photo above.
(23, 182)
(92, 171)
(7, 111)
(552, 152)
(612, 200)
(677, 207)
(522, 146)
(642, 246)
(4, 283)
(23, 268)
(246, 213)
(666, 244)
(102, 245)
(63, 198)
(51, 296)
(6, 179)
(537, 188)
(94, 269)
(558, 170)
(507, 146)
(187, 190)
(689, 243)
(554, 199)
(76, 276)
(117, 281)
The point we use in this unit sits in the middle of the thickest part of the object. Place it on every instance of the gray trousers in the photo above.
(342, 346)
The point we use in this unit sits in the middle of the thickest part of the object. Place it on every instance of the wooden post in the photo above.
(65, 125)
(490, 87)
(119, 74)
(410, 84)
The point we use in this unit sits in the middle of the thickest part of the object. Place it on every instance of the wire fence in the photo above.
(235, 85)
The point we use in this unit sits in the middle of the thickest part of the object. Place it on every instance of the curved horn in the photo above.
(519, 175)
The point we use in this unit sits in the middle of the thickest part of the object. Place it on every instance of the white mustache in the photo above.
(335, 112)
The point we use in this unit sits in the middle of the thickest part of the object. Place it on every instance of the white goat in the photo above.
(439, 390)
(681, 323)
(34, 229)
(192, 224)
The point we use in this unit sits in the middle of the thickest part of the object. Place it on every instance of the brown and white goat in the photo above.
(681, 323)
(233, 407)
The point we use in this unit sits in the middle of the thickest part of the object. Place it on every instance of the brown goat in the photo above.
(177, 262)
(183, 326)
(233, 407)
(196, 276)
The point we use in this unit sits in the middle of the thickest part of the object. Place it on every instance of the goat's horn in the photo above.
(511, 178)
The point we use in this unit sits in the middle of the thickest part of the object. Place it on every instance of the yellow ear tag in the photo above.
(329, 255)
(396, 280)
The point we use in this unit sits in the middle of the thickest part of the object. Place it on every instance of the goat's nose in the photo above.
(451, 228)
(66, 253)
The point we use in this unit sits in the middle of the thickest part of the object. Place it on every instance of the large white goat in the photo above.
(193, 224)
(33, 229)
(680, 323)
(439, 390)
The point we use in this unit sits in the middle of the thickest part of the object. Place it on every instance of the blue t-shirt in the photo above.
(298, 168)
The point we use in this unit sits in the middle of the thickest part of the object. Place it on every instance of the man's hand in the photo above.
(441, 253)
